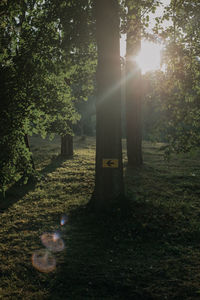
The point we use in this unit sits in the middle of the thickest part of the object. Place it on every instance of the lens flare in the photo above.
(43, 261)
(56, 236)
(52, 241)
(63, 220)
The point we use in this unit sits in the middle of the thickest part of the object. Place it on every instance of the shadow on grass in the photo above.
(56, 162)
(117, 257)
(105, 258)
(18, 190)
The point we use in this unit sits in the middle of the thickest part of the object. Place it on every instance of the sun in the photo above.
(149, 57)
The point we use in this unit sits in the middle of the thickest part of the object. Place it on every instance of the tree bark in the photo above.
(133, 92)
(26, 140)
(67, 146)
(109, 168)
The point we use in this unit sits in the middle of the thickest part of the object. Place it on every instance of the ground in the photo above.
(153, 252)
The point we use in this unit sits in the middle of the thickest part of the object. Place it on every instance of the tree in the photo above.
(78, 44)
(133, 87)
(135, 19)
(32, 100)
(176, 89)
(67, 146)
(109, 185)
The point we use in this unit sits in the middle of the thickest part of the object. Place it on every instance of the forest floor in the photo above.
(152, 253)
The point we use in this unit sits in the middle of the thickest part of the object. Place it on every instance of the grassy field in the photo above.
(153, 253)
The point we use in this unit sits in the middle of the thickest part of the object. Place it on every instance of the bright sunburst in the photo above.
(149, 57)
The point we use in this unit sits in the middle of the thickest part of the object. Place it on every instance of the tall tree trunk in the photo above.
(133, 91)
(67, 145)
(109, 168)
(26, 140)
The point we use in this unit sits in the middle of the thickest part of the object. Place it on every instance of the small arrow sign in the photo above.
(110, 163)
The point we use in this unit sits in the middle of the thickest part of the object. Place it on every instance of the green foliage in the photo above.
(174, 92)
(23, 66)
(39, 40)
(135, 16)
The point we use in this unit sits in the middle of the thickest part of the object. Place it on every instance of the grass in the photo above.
(153, 253)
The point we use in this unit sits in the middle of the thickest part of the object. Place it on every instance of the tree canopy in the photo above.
(41, 43)
(175, 90)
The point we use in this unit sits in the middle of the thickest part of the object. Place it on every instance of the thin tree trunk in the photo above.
(133, 92)
(109, 169)
(67, 146)
(26, 140)
(133, 119)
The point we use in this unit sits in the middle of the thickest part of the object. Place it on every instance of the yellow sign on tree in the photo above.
(110, 163)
